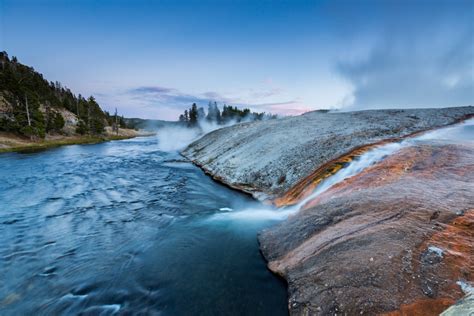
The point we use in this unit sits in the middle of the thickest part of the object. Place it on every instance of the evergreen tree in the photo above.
(95, 117)
(193, 115)
(34, 104)
(228, 114)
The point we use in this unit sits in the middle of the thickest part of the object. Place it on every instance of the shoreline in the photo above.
(13, 143)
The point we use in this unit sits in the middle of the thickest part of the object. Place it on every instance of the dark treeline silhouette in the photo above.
(32, 106)
(214, 115)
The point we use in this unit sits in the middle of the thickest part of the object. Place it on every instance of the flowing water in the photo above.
(462, 133)
(124, 227)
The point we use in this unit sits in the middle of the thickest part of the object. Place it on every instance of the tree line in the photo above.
(31, 106)
(192, 116)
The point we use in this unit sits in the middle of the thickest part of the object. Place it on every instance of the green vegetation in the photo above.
(31, 106)
(45, 144)
(229, 114)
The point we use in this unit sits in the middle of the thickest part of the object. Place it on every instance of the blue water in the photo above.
(124, 228)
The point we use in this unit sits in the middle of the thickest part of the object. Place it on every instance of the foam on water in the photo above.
(253, 214)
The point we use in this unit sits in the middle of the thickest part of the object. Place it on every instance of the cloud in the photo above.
(293, 107)
(266, 93)
(413, 70)
(151, 89)
(175, 101)
(170, 97)
(215, 96)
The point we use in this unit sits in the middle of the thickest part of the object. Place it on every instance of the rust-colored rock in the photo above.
(307, 185)
(423, 307)
(394, 239)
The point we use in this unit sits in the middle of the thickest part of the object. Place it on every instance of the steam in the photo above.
(175, 138)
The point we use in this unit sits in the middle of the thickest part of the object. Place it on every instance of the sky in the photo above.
(153, 59)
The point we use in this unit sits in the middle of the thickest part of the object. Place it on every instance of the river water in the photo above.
(123, 227)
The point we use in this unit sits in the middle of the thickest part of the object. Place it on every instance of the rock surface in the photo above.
(394, 239)
(267, 159)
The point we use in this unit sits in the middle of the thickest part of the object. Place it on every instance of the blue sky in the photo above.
(152, 59)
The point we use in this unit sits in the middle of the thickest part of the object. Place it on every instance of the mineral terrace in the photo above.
(267, 159)
(396, 239)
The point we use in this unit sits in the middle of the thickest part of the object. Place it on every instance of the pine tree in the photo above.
(28, 92)
(193, 115)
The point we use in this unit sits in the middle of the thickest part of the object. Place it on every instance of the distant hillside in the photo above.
(32, 106)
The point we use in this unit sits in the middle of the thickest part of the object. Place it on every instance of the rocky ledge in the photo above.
(398, 238)
(281, 160)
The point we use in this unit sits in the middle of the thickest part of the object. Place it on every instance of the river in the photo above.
(122, 227)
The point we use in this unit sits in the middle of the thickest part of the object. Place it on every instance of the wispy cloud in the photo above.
(293, 107)
(215, 96)
(177, 101)
(266, 93)
(170, 97)
(151, 89)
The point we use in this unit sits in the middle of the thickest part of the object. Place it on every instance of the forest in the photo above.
(32, 106)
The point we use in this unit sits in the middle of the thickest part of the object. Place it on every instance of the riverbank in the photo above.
(12, 143)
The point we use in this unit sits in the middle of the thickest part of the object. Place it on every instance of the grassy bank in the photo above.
(16, 144)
